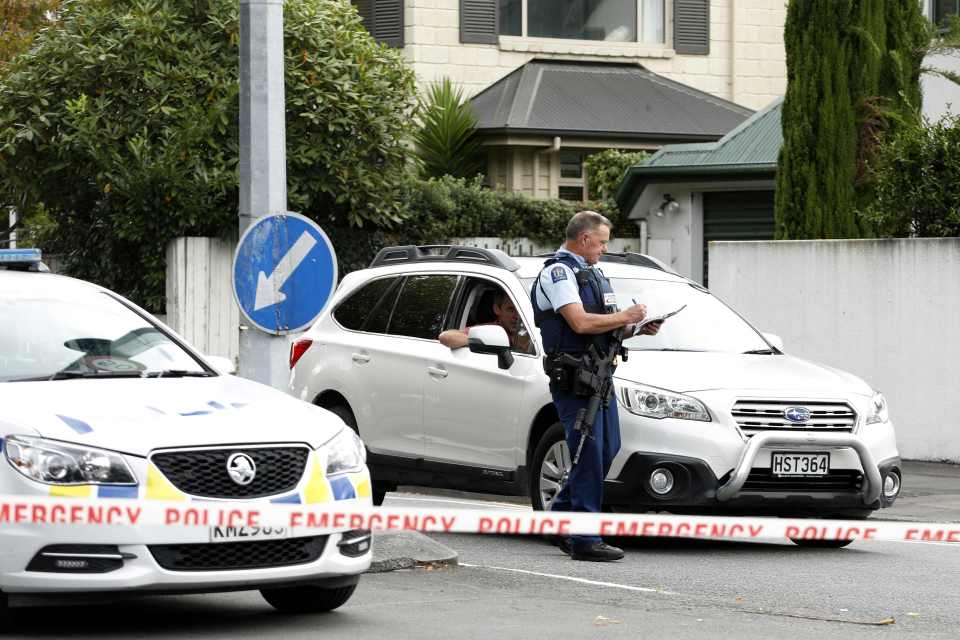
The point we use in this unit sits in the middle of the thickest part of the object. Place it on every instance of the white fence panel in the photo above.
(885, 310)
(200, 303)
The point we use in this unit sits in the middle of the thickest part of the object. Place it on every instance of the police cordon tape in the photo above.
(305, 520)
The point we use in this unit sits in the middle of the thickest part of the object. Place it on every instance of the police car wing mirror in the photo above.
(222, 365)
(775, 341)
(491, 339)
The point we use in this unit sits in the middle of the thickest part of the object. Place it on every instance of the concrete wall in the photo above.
(885, 310)
(747, 61)
(200, 303)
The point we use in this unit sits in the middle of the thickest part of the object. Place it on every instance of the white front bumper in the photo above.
(20, 543)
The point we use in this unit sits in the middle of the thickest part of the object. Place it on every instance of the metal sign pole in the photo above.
(263, 160)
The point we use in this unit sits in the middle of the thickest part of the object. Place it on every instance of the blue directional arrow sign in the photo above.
(284, 272)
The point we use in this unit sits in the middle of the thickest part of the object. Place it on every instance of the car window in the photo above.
(379, 316)
(423, 303)
(82, 334)
(706, 324)
(481, 301)
(353, 312)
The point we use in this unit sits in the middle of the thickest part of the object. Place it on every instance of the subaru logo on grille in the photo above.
(797, 414)
(241, 468)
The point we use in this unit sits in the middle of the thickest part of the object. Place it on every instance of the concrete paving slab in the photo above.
(407, 549)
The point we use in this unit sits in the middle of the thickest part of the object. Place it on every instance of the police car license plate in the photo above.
(247, 534)
(785, 464)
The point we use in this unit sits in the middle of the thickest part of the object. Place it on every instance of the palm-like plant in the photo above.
(446, 140)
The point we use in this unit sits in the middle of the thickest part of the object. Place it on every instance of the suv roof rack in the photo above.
(443, 253)
(627, 257)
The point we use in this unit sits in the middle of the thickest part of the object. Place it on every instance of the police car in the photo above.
(102, 402)
(714, 417)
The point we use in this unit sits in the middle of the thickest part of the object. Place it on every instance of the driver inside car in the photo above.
(505, 314)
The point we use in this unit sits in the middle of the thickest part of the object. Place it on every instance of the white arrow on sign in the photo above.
(268, 288)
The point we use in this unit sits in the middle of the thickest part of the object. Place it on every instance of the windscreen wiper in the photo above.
(77, 375)
(761, 352)
(178, 373)
(672, 349)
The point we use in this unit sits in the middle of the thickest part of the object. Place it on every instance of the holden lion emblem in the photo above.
(241, 468)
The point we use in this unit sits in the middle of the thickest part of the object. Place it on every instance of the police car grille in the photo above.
(759, 416)
(203, 473)
(238, 555)
(838, 481)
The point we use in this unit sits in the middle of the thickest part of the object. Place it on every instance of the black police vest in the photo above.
(557, 335)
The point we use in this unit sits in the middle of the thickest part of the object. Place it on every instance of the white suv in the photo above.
(713, 416)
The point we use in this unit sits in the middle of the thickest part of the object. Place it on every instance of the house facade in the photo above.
(545, 74)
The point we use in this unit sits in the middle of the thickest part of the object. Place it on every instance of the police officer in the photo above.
(575, 306)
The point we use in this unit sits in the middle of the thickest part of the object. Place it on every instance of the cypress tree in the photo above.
(853, 75)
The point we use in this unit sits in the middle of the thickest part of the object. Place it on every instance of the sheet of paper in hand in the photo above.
(651, 319)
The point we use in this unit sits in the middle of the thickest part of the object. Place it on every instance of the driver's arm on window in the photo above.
(453, 338)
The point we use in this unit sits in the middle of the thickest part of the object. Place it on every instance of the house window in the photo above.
(608, 20)
(511, 16)
(943, 9)
(571, 164)
(571, 185)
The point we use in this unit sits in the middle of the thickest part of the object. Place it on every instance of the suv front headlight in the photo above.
(878, 409)
(651, 402)
(345, 453)
(55, 462)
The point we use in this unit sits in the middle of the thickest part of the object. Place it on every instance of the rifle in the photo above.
(597, 373)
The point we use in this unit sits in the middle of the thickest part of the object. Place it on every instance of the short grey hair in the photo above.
(586, 221)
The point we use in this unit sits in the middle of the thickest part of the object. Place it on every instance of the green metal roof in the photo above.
(751, 148)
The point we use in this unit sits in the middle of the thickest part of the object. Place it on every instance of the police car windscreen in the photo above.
(706, 324)
(86, 335)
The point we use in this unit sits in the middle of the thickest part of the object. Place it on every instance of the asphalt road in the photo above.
(514, 587)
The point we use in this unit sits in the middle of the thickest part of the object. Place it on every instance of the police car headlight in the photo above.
(651, 402)
(345, 453)
(878, 409)
(54, 462)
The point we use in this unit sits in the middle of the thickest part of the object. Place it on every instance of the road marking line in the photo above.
(595, 583)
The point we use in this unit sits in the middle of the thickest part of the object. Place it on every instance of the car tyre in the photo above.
(380, 489)
(307, 599)
(820, 544)
(549, 467)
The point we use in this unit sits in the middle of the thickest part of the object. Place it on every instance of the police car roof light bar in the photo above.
(22, 260)
(443, 253)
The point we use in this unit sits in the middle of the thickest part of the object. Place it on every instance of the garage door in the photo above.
(736, 215)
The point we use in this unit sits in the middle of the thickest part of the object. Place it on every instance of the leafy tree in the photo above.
(917, 190)
(446, 141)
(853, 71)
(122, 125)
(605, 170)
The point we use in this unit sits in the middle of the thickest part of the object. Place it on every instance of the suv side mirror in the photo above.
(775, 340)
(491, 339)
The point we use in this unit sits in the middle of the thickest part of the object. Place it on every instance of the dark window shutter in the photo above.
(479, 21)
(691, 27)
(383, 19)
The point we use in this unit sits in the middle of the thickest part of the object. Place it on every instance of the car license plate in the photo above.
(785, 464)
(247, 534)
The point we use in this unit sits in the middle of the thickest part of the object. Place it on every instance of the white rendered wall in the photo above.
(746, 64)
(885, 310)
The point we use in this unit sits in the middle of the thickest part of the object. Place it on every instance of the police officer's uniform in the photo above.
(567, 278)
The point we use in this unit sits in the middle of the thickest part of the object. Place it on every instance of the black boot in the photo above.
(597, 552)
